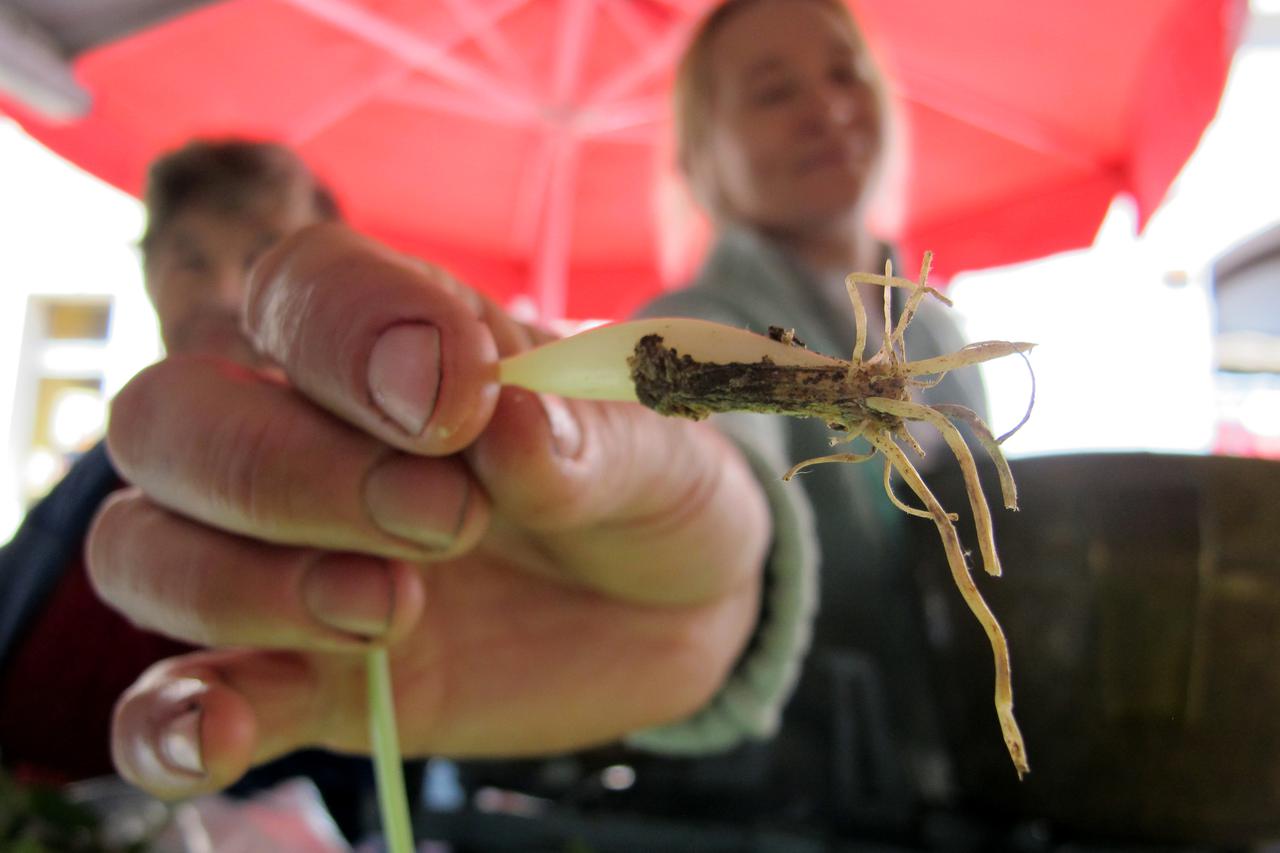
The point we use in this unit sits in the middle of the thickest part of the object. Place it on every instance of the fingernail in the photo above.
(404, 374)
(180, 744)
(566, 434)
(418, 499)
(350, 593)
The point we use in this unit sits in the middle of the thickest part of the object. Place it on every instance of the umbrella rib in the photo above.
(635, 134)
(420, 95)
(332, 113)
(491, 40)
(622, 116)
(575, 22)
(557, 224)
(1000, 120)
(474, 24)
(428, 95)
(555, 196)
(630, 24)
(532, 193)
(413, 50)
(633, 74)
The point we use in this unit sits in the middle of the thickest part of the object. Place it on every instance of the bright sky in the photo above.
(62, 232)
(1123, 360)
(1123, 328)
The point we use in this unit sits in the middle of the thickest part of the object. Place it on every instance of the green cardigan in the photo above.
(839, 603)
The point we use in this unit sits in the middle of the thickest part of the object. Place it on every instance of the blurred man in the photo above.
(213, 207)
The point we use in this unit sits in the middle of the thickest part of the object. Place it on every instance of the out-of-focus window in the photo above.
(60, 406)
(1247, 347)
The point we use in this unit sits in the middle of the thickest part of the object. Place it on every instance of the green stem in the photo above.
(388, 769)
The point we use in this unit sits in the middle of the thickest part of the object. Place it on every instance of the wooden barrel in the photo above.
(1141, 599)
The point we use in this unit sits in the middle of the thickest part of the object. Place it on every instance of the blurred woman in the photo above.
(783, 126)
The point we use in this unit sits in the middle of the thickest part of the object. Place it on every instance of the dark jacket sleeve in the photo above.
(65, 657)
(50, 538)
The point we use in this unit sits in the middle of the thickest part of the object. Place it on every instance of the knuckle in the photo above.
(245, 472)
(140, 429)
(127, 569)
(206, 607)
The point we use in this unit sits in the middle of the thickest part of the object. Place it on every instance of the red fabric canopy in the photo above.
(523, 143)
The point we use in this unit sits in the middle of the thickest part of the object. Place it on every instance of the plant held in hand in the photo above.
(692, 368)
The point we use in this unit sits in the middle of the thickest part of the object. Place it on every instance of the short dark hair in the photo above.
(224, 175)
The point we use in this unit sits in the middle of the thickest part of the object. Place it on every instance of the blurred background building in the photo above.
(1246, 290)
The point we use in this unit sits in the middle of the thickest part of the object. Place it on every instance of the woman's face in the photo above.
(795, 128)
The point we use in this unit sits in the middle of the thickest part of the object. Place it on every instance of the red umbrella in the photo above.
(521, 142)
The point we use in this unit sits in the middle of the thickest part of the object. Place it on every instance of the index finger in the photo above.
(393, 346)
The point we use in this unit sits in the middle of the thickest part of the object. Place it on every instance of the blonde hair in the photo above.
(694, 90)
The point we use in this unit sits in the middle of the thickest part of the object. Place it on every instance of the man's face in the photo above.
(198, 266)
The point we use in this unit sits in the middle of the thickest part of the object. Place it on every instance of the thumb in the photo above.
(195, 724)
(645, 508)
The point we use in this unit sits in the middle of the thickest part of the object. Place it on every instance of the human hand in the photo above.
(547, 574)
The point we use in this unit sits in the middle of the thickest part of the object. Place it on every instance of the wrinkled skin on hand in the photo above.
(547, 574)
